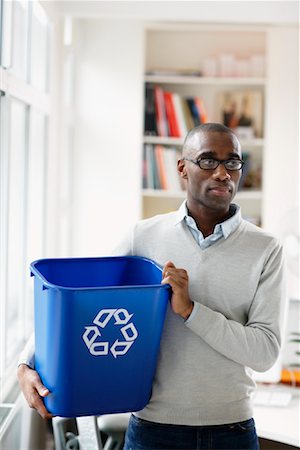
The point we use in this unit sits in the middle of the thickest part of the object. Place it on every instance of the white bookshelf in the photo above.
(205, 81)
(172, 51)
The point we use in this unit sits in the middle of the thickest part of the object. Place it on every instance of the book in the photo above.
(150, 115)
(171, 115)
(160, 112)
(170, 157)
(145, 169)
(201, 109)
(168, 114)
(174, 72)
(160, 167)
(194, 111)
(189, 118)
(150, 179)
(183, 129)
(154, 169)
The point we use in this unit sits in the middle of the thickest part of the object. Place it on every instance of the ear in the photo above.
(182, 168)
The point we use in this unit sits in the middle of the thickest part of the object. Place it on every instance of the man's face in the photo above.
(213, 188)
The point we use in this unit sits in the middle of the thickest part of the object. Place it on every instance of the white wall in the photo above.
(107, 159)
(281, 162)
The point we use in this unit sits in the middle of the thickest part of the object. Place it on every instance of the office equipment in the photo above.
(91, 430)
(268, 397)
(279, 424)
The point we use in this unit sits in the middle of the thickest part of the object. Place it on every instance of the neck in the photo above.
(206, 218)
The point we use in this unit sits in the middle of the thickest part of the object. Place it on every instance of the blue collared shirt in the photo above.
(223, 229)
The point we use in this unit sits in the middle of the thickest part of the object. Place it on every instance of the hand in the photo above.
(33, 390)
(178, 279)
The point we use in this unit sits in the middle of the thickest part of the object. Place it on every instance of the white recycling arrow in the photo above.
(94, 332)
(125, 346)
(99, 348)
(118, 348)
(125, 313)
(104, 312)
(133, 332)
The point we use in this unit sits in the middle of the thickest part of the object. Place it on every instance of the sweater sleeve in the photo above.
(256, 343)
(27, 355)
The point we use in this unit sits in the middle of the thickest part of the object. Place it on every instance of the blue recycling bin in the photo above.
(98, 324)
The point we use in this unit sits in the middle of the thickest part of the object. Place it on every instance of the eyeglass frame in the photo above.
(219, 161)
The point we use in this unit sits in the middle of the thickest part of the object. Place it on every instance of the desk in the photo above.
(280, 424)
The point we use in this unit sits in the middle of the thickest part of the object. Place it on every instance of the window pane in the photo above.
(68, 83)
(6, 44)
(3, 227)
(19, 38)
(15, 241)
(39, 47)
(35, 205)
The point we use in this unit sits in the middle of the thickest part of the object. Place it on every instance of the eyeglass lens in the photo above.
(210, 163)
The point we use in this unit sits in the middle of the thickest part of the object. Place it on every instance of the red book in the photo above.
(171, 115)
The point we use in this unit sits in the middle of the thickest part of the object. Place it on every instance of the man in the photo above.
(227, 281)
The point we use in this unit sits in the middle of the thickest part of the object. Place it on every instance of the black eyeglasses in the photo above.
(212, 164)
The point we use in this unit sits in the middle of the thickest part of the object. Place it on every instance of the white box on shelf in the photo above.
(227, 65)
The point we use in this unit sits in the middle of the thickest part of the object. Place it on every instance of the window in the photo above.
(24, 117)
(15, 229)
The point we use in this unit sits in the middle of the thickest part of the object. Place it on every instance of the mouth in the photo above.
(220, 191)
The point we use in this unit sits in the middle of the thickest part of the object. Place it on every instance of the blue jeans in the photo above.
(144, 435)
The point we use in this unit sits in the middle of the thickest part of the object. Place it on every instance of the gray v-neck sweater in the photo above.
(203, 375)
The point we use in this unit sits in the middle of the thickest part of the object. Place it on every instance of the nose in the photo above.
(221, 173)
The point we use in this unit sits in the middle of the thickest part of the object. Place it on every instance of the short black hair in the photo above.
(213, 127)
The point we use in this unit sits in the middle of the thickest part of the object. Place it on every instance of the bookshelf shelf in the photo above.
(214, 81)
(249, 194)
(256, 142)
(159, 193)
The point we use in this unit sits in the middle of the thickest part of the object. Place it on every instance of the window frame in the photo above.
(19, 88)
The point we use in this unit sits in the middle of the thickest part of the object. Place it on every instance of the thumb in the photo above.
(42, 390)
(168, 265)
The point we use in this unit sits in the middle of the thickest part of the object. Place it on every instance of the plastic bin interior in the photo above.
(98, 324)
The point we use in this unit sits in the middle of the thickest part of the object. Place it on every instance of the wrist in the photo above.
(186, 313)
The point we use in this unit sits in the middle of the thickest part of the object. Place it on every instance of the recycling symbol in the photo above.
(92, 335)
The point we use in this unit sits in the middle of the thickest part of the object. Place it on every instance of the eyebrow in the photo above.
(212, 154)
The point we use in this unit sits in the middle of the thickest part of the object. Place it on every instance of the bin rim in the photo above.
(47, 284)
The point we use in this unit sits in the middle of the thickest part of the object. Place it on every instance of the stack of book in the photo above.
(160, 168)
(168, 114)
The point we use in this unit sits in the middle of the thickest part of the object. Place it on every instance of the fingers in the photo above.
(167, 266)
(178, 279)
(35, 401)
(173, 276)
(33, 390)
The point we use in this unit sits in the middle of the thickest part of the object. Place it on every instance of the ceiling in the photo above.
(206, 11)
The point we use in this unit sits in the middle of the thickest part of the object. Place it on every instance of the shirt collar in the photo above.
(228, 226)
